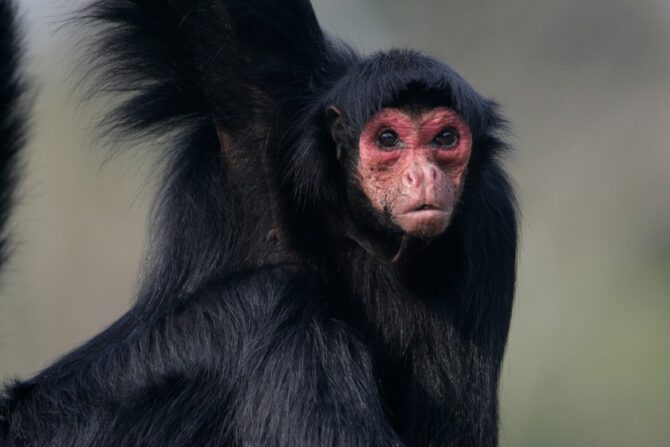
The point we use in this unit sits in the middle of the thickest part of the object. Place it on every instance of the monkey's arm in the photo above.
(305, 380)
(184, 64)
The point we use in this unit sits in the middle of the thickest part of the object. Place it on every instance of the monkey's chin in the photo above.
(424, 223)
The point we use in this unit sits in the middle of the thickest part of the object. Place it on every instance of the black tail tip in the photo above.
(13, 115)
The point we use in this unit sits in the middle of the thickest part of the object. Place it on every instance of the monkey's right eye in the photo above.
(388, 139)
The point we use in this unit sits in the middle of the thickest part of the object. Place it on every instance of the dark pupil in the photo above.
(448, 138)
(388, 138)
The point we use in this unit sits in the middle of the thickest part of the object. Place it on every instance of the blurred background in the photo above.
(586, 85)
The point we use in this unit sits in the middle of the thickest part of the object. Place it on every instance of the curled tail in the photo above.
(12, 117)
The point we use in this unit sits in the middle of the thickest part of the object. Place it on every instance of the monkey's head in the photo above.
(389, 154)
(403, 130)
(409, 163)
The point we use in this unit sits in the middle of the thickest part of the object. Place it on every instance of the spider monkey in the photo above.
(332, 251)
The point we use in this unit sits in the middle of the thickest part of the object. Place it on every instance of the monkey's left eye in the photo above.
(446, 139)
(388, 139)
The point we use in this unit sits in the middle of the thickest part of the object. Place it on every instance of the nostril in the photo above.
(409, 179)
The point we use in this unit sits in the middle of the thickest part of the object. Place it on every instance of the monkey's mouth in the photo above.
(425, 220)
(426, 207)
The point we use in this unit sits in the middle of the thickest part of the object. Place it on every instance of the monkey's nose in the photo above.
(413, 176)
(419, 174)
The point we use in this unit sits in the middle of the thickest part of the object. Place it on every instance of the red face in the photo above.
(413, 166)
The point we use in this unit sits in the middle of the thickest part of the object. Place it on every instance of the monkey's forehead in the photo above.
(399, 76)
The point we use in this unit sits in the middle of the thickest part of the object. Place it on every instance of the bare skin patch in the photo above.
(413, 166)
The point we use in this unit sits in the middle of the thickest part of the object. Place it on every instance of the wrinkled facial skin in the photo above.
(418, 179)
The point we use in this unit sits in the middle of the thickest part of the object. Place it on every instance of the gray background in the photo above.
(586, 85)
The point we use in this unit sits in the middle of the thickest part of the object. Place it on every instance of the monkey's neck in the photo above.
(398, 248)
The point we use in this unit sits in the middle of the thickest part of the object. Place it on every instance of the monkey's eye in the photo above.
(388, 139)
(446, 139)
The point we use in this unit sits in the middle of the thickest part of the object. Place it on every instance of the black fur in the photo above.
(12, 117)
(269, 314)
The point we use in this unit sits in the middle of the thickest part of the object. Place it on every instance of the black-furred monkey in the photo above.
(332, 254)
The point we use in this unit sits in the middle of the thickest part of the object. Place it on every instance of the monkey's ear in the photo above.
(333, 116)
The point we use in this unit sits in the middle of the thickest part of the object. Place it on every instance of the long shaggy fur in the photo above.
(268, 314)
